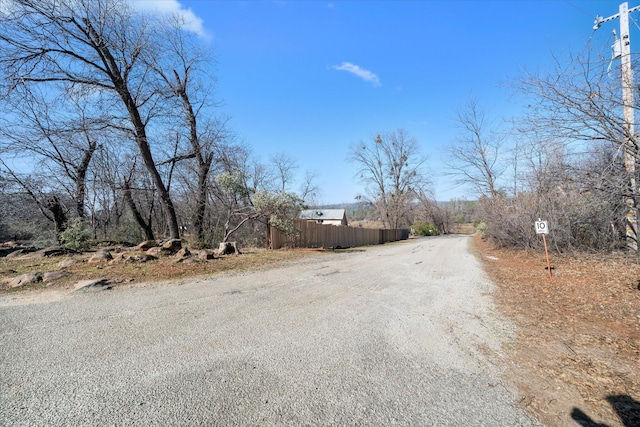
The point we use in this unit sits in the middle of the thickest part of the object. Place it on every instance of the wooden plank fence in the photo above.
(314, 235)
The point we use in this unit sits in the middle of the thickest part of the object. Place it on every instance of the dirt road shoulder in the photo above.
(577, 354)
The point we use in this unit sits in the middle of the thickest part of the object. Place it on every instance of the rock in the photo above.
(227, 248)
(18, 253)
(183, 253)
(85, 284)
(146, 245)
(69, 262)
(51, 251)
(173, 245)
(147, 257)
(100, 256)
(54, 275)
(119, 257)
(205, 255)
(158, 251)
(140, 258)
(25, 279)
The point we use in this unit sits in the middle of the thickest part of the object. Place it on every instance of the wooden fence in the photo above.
(314, 235)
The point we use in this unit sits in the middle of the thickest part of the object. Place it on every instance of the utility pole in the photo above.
(630, 145)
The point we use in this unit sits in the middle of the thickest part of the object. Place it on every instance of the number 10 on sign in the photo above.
(542, 227)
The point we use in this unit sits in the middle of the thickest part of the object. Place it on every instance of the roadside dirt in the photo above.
(577, 356)
(120, 272)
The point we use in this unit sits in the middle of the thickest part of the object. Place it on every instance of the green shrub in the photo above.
(424, 228)
(76, 236)
(480, 227)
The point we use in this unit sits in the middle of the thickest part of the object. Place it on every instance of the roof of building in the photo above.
(324, 214)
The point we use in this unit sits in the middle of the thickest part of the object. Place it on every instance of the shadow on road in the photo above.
(627, 408)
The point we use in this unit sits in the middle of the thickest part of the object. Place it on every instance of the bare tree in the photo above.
(309, 188)
(95, 46)
(578, 104)
(58, 143)
(475, 156)
(285, 167)
(182, 72)
(392, 170)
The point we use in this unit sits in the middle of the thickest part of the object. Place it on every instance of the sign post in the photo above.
(542, 227)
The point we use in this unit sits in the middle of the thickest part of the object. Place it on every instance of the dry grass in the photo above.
(578, 349)
(165, 268)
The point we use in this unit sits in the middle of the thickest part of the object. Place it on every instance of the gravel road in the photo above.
(399, 334)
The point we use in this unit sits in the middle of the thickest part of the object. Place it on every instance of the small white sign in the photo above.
(542, 227)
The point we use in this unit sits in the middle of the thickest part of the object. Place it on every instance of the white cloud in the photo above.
(365, 75)
(173, 7)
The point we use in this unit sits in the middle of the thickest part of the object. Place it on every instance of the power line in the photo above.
(579, 8)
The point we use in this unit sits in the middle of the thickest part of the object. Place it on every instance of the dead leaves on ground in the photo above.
(579, 335)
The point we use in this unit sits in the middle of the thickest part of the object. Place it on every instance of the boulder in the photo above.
(205, 255)
(51, 251)
(95, 283)
(69, 262)
(54, 275)
(140, 258)
(158, 252)
(100, 256)
(227, 248)
(119, 257)
(173, 245)
(25, 279)
(146, 245)
(183, 253)
(18, 253)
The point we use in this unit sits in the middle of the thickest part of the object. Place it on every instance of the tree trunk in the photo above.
(146, 227)
(201, 202)
(59, 216)
(120, 85)
(81, 178)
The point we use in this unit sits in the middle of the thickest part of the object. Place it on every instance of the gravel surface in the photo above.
(400, 334)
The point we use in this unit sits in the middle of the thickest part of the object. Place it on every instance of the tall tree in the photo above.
(392, 170)
(96, 46)
(474, 158)
(185, 81)
(285, 167)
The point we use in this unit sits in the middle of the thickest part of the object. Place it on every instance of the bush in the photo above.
(424, 228)
(480, 227)
(76, 236)
(576, 222)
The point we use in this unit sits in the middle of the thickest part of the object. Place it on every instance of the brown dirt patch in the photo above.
(121, 272)
(576, 359)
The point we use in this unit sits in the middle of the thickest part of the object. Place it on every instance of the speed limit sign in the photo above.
(542, 227)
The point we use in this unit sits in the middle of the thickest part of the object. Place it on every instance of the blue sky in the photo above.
(311, 77)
